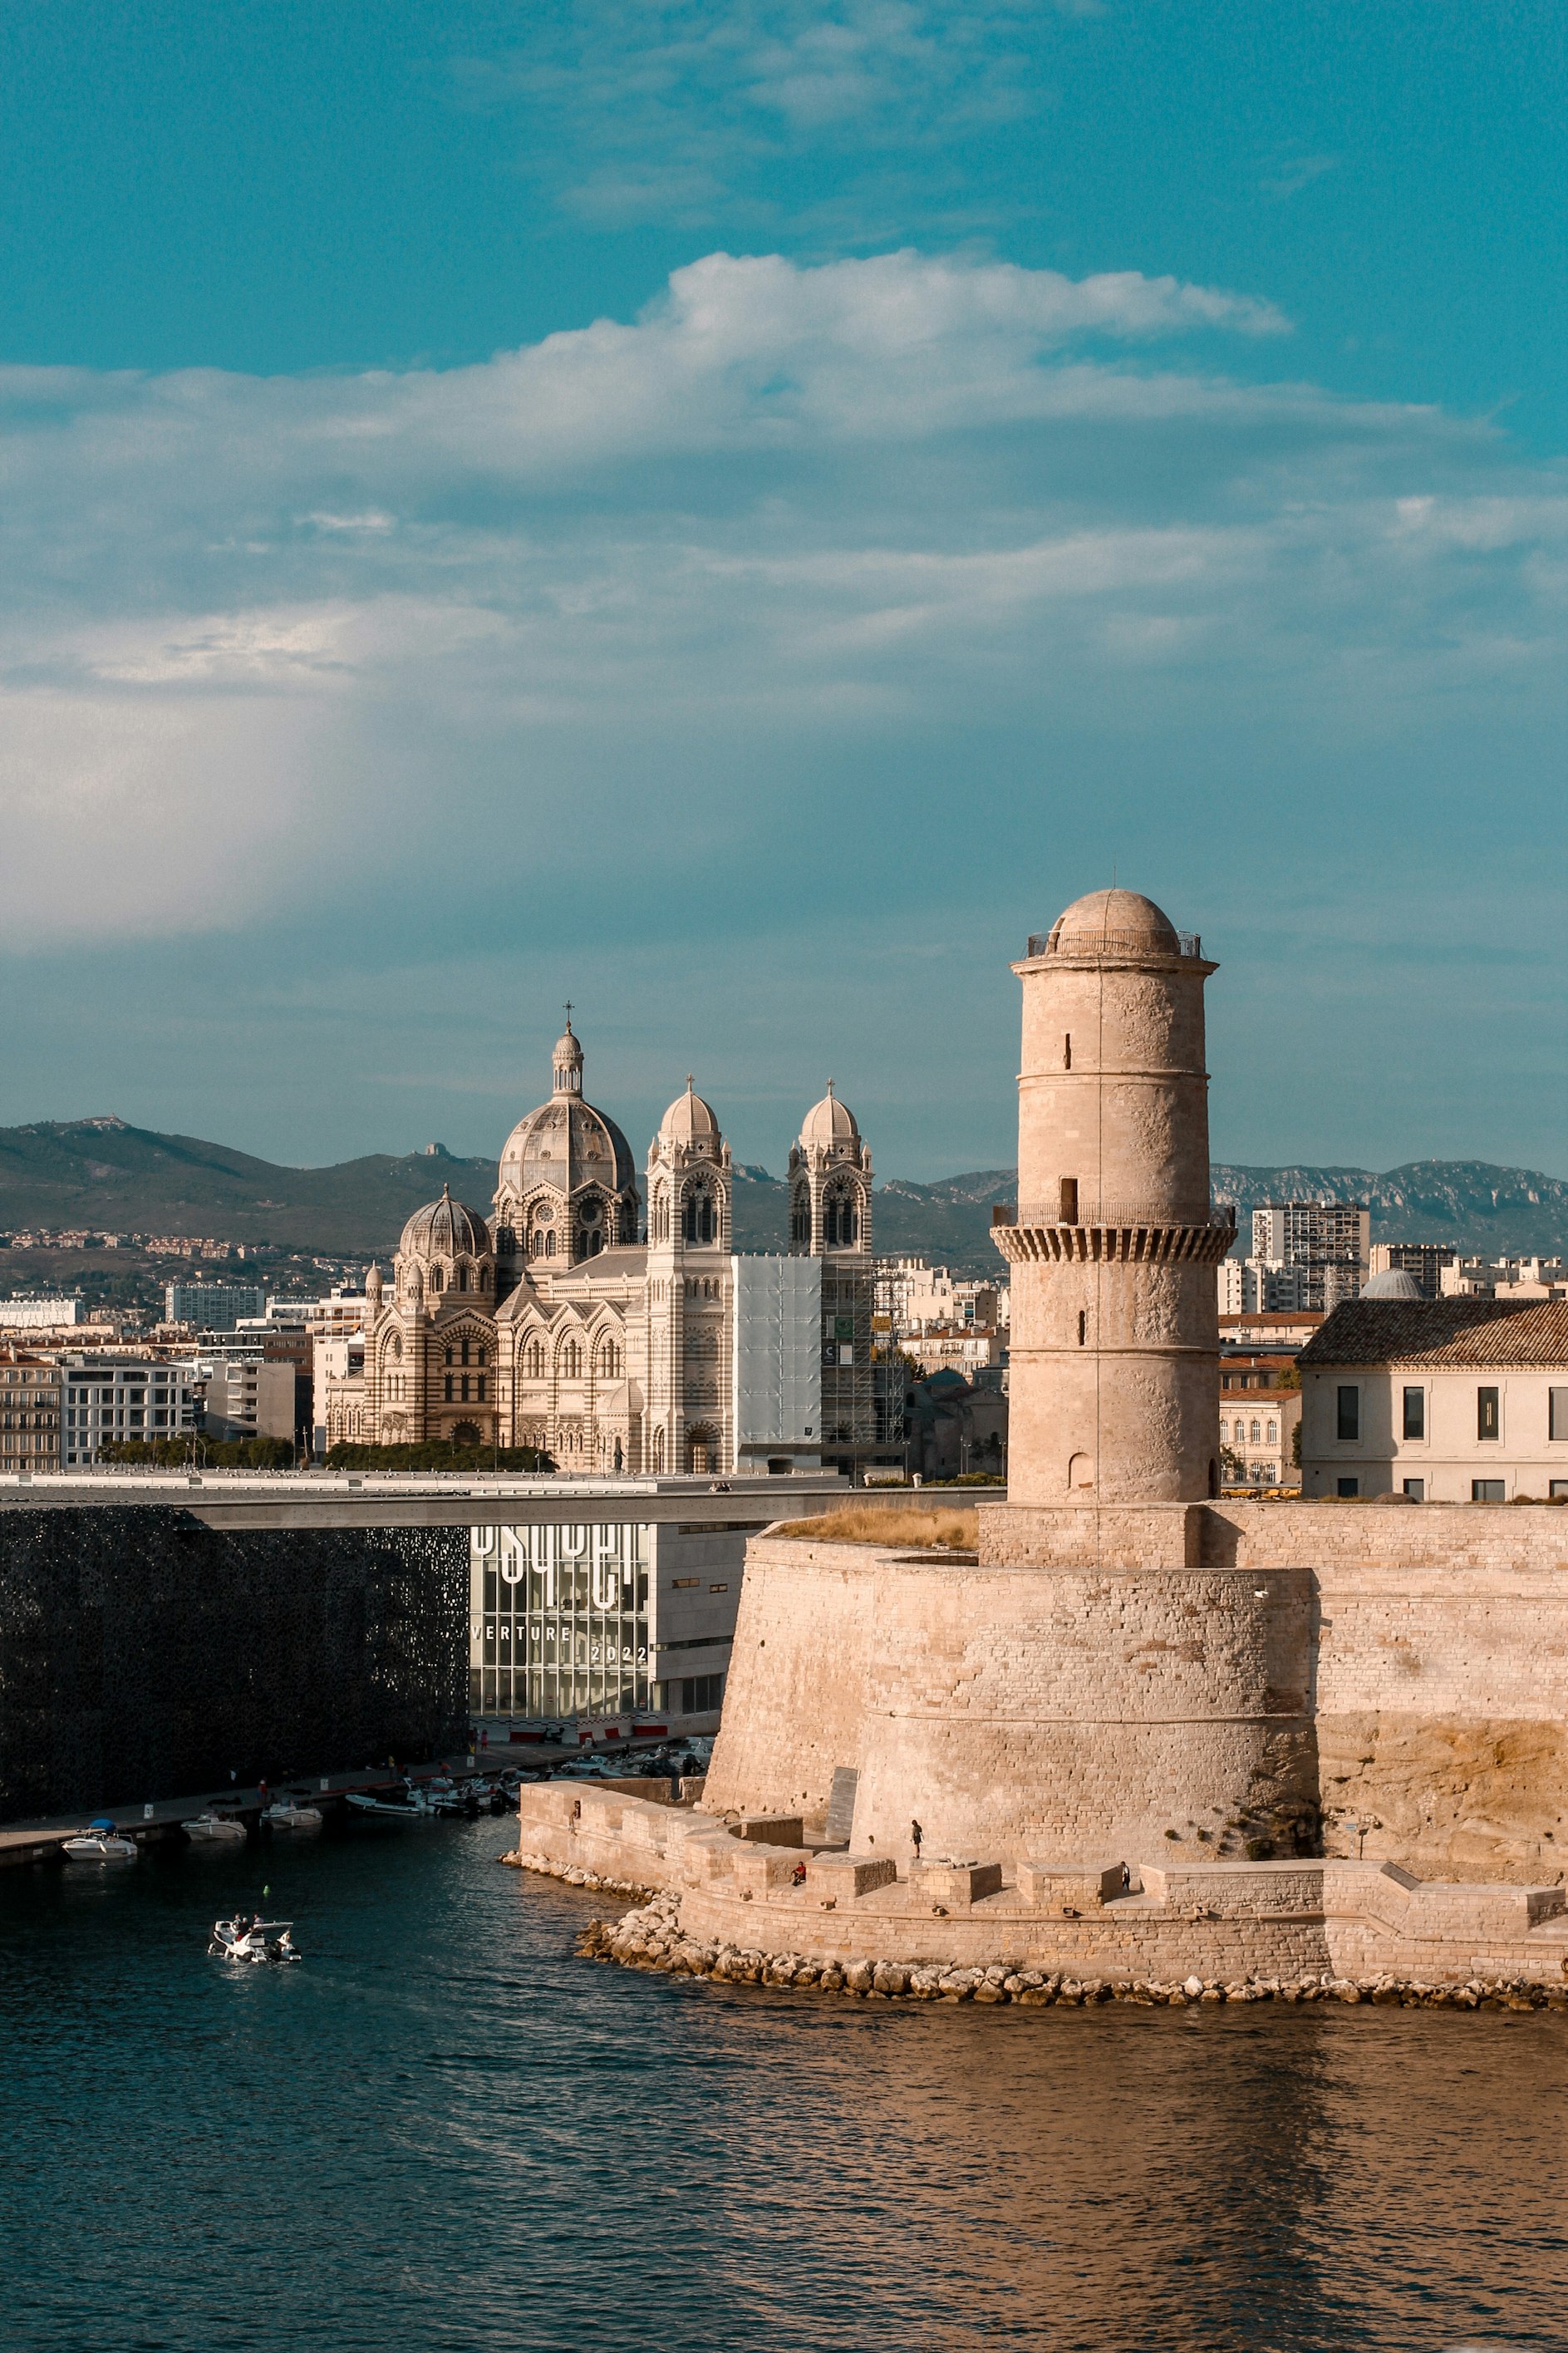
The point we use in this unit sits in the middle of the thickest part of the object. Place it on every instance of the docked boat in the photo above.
(101, 1841)
(404, 1805)
(269, 1943)
(213, 1828)
(292, 1814)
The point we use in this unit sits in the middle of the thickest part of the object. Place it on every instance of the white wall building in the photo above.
(1447, 1401)
(119, 1398)
(38, 1315)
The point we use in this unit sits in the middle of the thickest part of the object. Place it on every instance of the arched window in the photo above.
(550, 1245)
(1257, 1433)
(435, 1278)
(800, 1218)
(609, 1360)
(484, 1278)
(462, 1278)
(534, 1360)
(570, 1361)
(1274, 1433)
(398, 1344)
(699, 1224)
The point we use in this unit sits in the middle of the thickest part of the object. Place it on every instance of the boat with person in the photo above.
(249, 1939)
(101, 1841)
(213, 1828)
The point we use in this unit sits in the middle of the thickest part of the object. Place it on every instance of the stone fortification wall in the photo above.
(1062, 1711)
(795, 1703)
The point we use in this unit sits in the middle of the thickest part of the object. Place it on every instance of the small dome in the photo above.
(446, 1228)
(689, 1120)
(568, 1054)
(1397, 1283)
(1125, 916)
(829, 1122)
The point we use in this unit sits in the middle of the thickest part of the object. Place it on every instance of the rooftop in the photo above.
(1441, 1332)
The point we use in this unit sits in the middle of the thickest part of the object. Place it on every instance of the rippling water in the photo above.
(444, 2132)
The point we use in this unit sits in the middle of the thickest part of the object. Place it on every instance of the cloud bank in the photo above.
(255, 633)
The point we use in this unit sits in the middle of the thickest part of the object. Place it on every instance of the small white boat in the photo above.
(269, 1942)
(100, 1842)
(404, 1805)
(213, 1828)
(289, 1814)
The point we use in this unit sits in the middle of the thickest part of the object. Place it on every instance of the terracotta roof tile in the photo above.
(1442, 1332)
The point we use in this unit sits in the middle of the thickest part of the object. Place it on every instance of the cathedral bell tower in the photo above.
(690, 1176)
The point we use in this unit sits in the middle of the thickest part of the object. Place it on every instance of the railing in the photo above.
(1114, 944)
(1116, 1213)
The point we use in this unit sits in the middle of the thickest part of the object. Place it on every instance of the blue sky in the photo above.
(736, 515)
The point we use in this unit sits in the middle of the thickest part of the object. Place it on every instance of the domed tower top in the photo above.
(1113, 921)
(568, 1060)
(829, 1182)
(691, 1122)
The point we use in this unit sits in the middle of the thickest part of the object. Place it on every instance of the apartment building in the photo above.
(1329, 1241)
(112, 1398)
(29, 1413)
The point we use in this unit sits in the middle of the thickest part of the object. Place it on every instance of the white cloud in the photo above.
(252, 630)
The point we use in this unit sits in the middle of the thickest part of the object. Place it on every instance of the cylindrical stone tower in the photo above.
(1114, 1389)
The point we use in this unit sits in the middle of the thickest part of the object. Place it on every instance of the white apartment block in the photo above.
(1259, 1286)
(38, 1315)
(108, 1398)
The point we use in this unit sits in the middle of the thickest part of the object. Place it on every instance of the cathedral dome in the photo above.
(689, 1120)
(829, 1122)
(1125, 916)
(1394, 1283)
(566, 1143)
(446, 1228)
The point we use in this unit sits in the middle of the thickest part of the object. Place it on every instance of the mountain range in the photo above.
(107, 1175)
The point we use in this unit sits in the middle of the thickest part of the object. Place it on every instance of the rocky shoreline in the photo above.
(650, 1937)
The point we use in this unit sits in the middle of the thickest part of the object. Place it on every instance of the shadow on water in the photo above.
(444, 2132)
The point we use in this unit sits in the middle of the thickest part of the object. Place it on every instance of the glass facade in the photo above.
(558, 1622)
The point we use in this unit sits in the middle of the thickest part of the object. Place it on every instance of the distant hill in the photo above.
(105, 1174)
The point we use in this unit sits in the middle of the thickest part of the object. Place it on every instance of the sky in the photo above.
(735, 515)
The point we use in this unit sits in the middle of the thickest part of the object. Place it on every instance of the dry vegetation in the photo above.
(957, 1531)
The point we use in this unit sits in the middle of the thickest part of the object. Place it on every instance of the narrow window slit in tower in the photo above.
(1083, 1325)
(1067, 1051)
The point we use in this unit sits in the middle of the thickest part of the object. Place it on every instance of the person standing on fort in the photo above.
(916, 1834)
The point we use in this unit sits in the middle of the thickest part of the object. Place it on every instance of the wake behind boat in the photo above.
(269, 1943)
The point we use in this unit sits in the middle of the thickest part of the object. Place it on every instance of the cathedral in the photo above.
(568, 1321)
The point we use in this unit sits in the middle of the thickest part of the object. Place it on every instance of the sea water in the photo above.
(442, 2130)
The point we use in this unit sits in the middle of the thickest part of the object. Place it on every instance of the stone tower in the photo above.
(1114, 1389)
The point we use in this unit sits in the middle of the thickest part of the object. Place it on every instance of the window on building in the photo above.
(1414, 1423)
(1557, 1413)
(1068, 1201)
(480, 1388)
(1348, 1416)
(1488, 1414)
(1416, 1490)
(1557, 1486)
(1489, 1491)
(1347, 1487)
(571, 1362)
(448, 1389)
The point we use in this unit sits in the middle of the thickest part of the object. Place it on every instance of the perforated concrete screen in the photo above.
(777, 1364)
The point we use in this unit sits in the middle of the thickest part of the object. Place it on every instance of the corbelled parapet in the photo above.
(1113, 1243)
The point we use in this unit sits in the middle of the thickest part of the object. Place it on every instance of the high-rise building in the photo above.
(212, 1306)
(1331, 1241)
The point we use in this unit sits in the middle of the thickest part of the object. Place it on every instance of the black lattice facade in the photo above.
(144, 1655)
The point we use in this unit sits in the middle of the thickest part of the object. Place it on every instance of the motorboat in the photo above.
(406, 1804)
(268, 1942)
(290, 1813)
(101, 1841)
(213, 1828)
